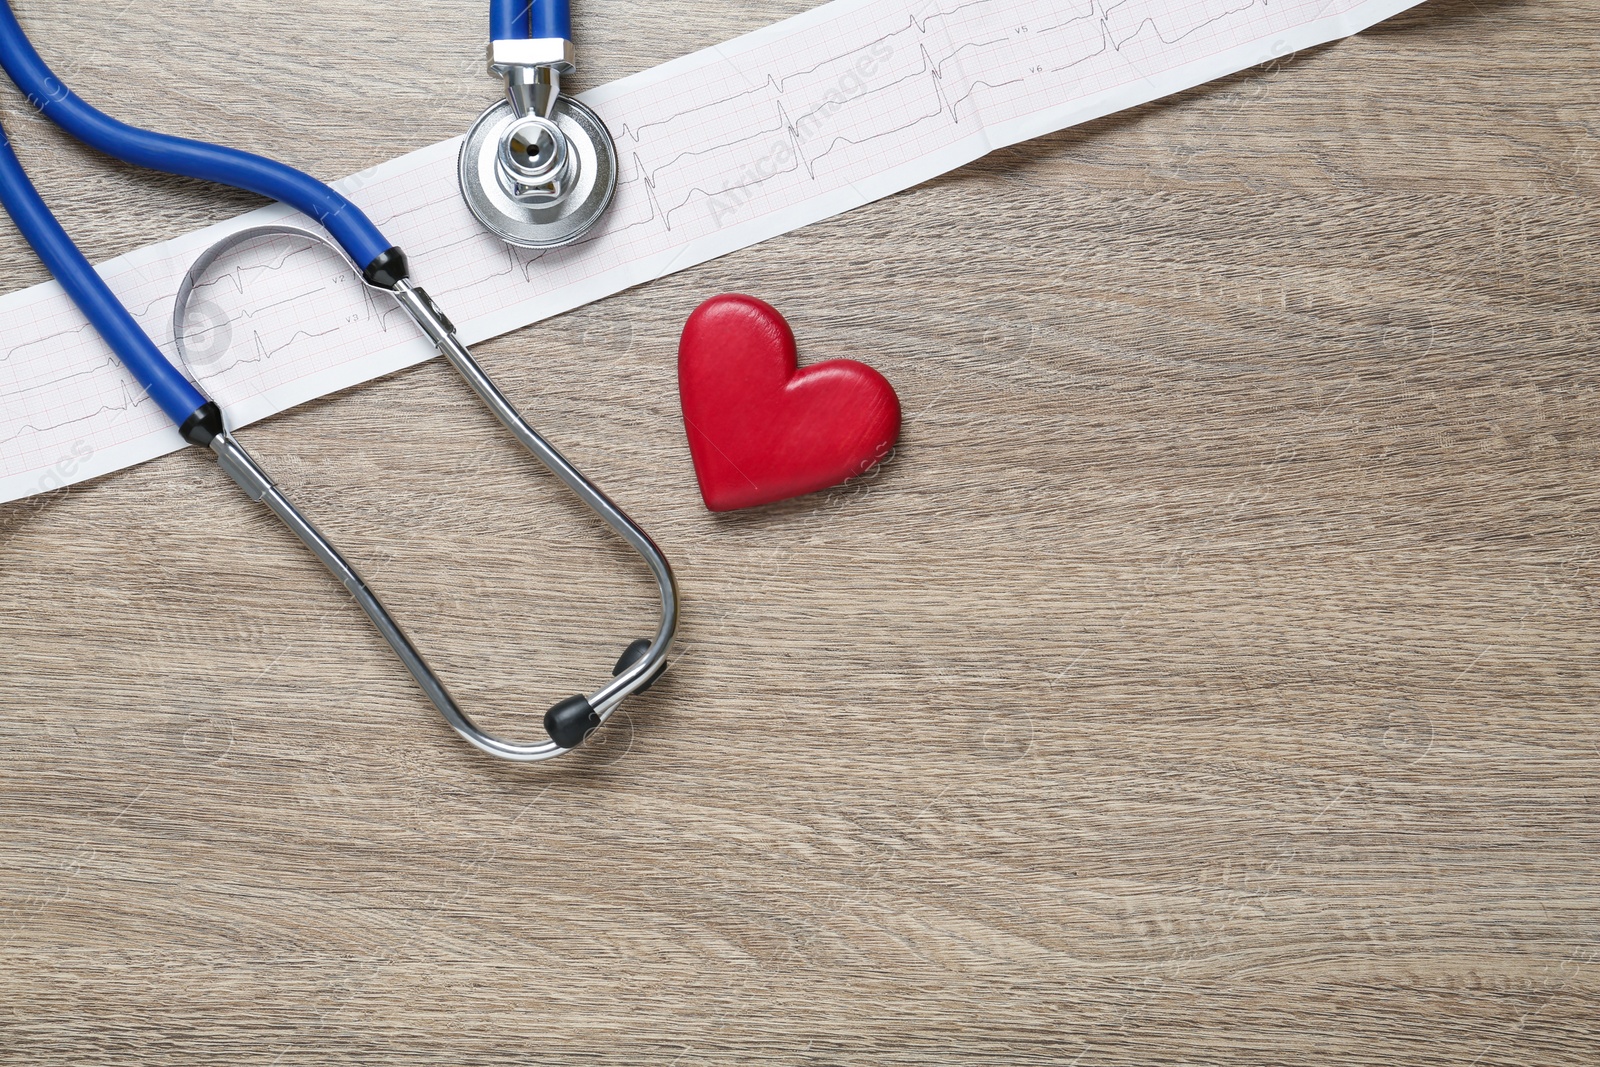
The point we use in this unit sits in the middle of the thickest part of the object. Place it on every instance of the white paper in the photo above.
(732, 145)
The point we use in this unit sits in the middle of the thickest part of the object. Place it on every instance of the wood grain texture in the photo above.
(1210, 677)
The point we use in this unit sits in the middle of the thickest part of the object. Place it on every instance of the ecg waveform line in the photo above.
(728, 146)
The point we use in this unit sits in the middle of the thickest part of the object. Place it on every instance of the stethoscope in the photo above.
(559, 175)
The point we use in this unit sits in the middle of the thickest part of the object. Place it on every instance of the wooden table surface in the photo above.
(1210, 677)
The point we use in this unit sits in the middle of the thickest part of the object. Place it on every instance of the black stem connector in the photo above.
(203, 426)
(388, 270)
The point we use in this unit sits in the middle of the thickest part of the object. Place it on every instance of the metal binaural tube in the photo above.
(570, 720)
(427, 316)
(600, 704)
(249, 476)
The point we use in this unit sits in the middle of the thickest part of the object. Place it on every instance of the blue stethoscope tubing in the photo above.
(177, 397)
(516, 20)
(169, 388)
(382, 266)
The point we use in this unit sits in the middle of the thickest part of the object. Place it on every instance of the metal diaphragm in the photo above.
(535, 223)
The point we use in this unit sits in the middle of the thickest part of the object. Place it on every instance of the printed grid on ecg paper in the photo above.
(786, 126)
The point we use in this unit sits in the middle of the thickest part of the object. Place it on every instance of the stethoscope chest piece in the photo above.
(537, 181)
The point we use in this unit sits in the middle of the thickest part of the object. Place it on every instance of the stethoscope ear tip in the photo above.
(570, 721)
(574, 719)
(635, 652)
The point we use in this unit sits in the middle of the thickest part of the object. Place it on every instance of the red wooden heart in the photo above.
(761, 429)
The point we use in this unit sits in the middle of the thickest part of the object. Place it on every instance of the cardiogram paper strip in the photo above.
(720, 149)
